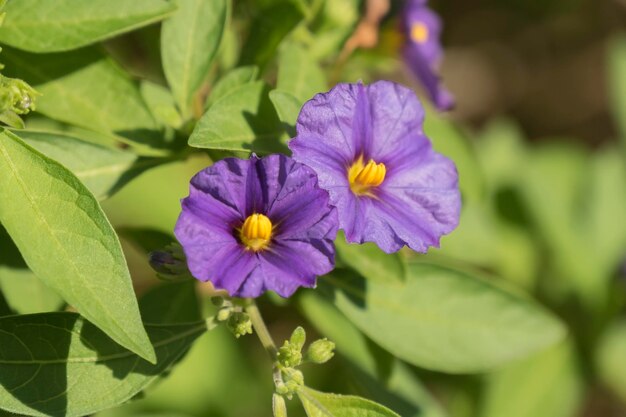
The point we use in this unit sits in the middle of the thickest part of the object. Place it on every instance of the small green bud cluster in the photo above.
(169, 263)
(16, 98)
(237, 320)
(290, 356)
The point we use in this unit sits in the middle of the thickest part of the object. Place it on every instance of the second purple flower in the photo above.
(369, 151)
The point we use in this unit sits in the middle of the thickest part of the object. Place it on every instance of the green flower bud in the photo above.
(279, 407)
(298, 337)
(295, 381)
(239, 323)
(223, 314)
(320, 351)
(217, 301)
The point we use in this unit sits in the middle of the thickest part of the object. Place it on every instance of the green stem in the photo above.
(265, 337)
(261, 329)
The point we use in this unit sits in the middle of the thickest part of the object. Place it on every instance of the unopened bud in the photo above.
(217, 301)
(239, 323)
(223, 314)
(320, 351)
(169, 263)
(298, 337)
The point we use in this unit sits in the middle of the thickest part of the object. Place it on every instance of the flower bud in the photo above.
(223, 314)
(320, 351)
(298, 337)
(169, 263)
(279, 407)
(239, 323)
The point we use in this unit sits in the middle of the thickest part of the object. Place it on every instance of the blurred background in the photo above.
(539, 137)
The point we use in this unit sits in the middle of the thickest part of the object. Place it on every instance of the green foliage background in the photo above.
(520, 313)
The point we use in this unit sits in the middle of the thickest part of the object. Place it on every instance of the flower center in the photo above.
(419, 32)
(363, 177)
(256, 232)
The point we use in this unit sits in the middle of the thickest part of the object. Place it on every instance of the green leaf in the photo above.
(549, 384)
(287, 108)
(161, 104)
(444, 319)
(267, 30)
(231, 81)
(574, 200)
(103, 170)
(189, 41)
(377, 375)
(333, 26)
(67, 241)
(53, 363)
(41, 26)
(146, 239)
(610, 359)
(23, 291)
(320, 404)
(370, 262)
(86, 89)
(242, 120)
(617, 81)
(170, 303)
(299, 74)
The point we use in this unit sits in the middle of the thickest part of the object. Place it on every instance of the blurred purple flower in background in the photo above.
(254, 225)
(369, 151)
(422, 50)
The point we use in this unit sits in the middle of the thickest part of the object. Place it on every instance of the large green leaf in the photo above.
(321, 404)
(161, 103)
(287, 108)
(369, 261)
(171, 302)
(575, 201)
(86, 89)
(299, 74)
(243, 120)
(267, 30)
(52, 26)
(444, 319)
(549, 384)
(66, 240)
(189, 41)
(52, 364)
(103, 170)
(389, 382)
(23, 291)
(231, 81)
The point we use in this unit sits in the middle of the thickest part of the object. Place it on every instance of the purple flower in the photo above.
(368, 149)
(422, 50)
(254, 225)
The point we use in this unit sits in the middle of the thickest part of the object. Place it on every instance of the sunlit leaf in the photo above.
(189, 41)
(67, 241)
(52, 26)
(443, 319)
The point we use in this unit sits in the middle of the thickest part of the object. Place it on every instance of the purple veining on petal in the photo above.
(224, 195)
(419, 199)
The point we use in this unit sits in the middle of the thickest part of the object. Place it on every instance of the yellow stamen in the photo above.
(256, 232)
(419, 32)
(364, 177)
